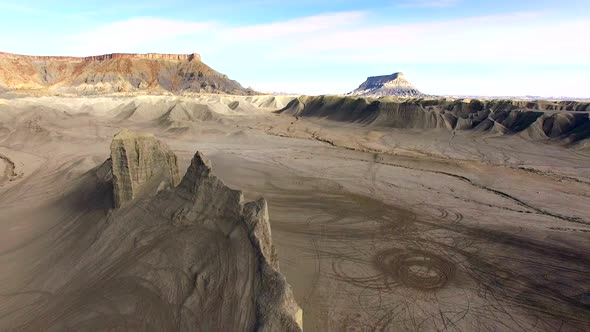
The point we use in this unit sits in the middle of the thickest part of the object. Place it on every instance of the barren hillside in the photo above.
(112, 73)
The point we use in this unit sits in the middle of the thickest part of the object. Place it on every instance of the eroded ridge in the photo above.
(203, 200)
(188, 256)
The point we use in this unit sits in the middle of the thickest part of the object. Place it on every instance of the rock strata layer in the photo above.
(151, 56)
(387, 85)
(127, 73)
(140, 163)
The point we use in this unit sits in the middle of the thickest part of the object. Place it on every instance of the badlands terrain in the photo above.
(155, 212)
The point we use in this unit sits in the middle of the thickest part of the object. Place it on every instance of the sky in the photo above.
(444, 47)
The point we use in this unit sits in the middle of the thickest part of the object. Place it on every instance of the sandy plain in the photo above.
(377, 229)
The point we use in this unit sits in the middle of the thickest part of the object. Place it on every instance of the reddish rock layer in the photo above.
(149, 73)
(150, 56)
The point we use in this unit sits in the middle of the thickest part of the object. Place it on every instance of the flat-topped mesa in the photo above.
(387, 85)
(103, 57)
(141, 164)
(115, 73)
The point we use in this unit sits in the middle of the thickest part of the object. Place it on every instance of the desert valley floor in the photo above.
(376, 228)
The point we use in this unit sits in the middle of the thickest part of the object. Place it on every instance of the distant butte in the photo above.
(387, 85)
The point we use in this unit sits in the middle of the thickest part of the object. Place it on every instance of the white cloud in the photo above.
(297, 27)
(128, 35)
(276, 54)
(429, 3)
(509, 39)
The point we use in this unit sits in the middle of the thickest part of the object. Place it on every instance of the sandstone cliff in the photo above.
(113, 73)
(138, 158)
(103, 57)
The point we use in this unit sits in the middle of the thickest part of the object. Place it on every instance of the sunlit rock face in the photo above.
(387, 85)
(122, 73)
(137, 159)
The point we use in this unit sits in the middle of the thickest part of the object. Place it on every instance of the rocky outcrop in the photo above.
(193, 257)
(387, 85)
(275, 303)
(197, 227)
(141, 163)
(150, 73)
(224, 209)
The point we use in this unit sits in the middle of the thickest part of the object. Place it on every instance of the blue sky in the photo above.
(457, 47)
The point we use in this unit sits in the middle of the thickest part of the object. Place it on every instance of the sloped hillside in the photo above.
(559, 120)
(113, 73)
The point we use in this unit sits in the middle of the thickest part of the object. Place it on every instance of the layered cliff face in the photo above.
(255, 295)
(113, 73)
(137, 159)
(151, 56)
(387, 85)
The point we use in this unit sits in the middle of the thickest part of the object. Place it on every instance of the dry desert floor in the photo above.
(377, 229)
